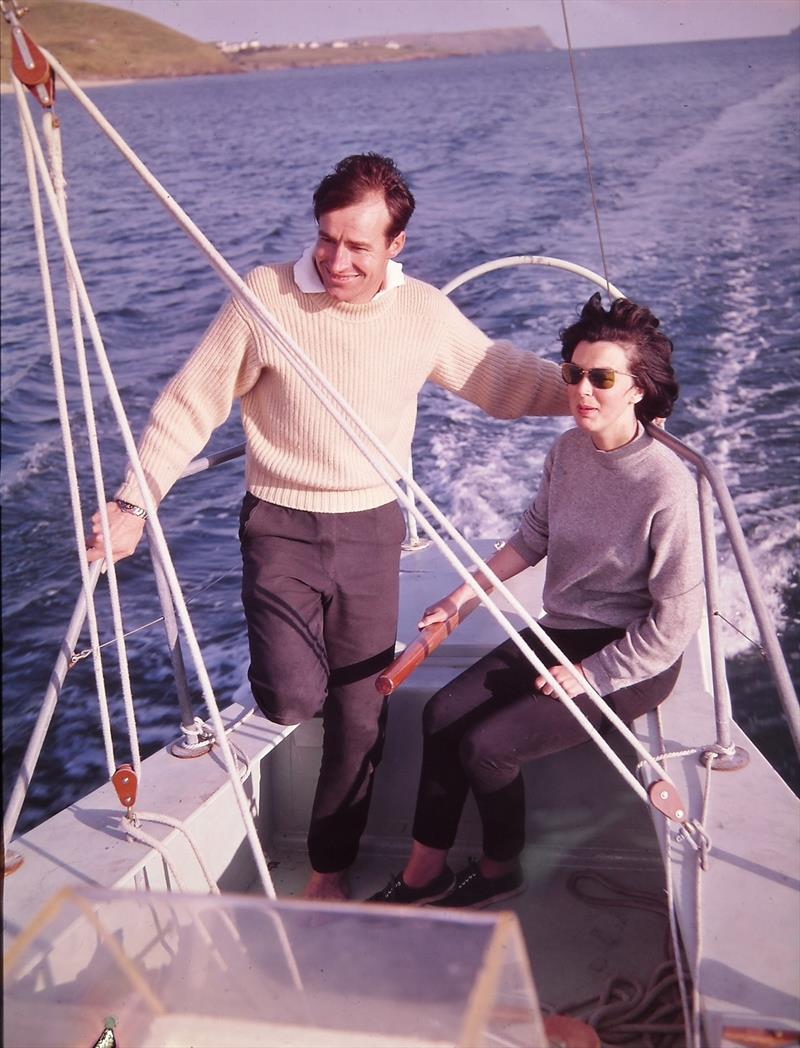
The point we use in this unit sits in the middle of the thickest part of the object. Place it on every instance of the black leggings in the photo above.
(484, 725)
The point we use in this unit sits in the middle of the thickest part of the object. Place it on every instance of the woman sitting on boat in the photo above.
(616, 515)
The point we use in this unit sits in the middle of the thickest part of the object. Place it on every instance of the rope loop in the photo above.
(133, 829)
(694, 834)
(716, 750)
(197, 734)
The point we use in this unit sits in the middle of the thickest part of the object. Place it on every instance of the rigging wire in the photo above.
(585, 141)
(157, 533)
(760, 647)
(84, 653)
(690, 1006)
(30, 143)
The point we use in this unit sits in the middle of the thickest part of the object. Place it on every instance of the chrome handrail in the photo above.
(711, 487)
(713, 480)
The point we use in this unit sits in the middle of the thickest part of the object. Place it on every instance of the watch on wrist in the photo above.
(129, 507)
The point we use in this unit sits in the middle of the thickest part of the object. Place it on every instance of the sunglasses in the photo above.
(600, 378)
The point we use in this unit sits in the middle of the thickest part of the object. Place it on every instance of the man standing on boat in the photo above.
(320, 531)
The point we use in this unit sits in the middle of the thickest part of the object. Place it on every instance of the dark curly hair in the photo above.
(360, 175)
(649, 350)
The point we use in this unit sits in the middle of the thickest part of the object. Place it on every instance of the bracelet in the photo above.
(129, 507)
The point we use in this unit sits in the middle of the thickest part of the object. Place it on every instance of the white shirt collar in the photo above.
(307, 278)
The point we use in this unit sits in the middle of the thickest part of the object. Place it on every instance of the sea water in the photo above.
(695, 160)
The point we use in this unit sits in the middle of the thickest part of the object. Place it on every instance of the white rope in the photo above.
(156, 530)
(134, 830)
(45, 716)
(701, 866)
(66, 434)
(152, 842)
(212, 941)
(333, 402)
(132, 827)
(57, 175)
(688, 1023)
(689, 829)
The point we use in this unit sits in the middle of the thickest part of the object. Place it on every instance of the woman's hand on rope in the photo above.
(125, 531)
(563, 677)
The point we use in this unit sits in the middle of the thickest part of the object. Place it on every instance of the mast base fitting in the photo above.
(415, 546)
(722, 761)
(185, 750)
(11, 862)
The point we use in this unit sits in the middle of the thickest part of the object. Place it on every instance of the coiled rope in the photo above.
(645, 1013)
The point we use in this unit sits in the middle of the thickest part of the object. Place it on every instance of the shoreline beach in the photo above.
(7, 88)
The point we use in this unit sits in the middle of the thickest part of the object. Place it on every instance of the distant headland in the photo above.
(99, 43)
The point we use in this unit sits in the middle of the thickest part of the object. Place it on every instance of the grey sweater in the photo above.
(621, 533)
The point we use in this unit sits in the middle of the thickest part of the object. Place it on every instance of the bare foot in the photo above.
(332, 887)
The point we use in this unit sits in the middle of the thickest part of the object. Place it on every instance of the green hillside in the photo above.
(95, 42)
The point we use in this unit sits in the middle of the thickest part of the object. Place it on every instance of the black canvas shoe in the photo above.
(397, 891)
(474, 890)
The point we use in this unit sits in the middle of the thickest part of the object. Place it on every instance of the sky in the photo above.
(592, 23)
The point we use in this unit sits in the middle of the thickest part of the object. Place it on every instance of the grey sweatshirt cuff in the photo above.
(518, 543)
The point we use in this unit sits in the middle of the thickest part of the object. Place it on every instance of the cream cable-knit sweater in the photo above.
(377, 355)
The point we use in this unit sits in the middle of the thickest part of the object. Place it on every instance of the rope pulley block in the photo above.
(31, 68)
(667, 800)
(125, 783)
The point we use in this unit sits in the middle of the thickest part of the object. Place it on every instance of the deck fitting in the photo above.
(185, 750)
(735, 761)
(416, 546)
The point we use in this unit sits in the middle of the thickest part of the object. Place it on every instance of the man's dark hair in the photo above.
(650, 351)
(361, 175)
